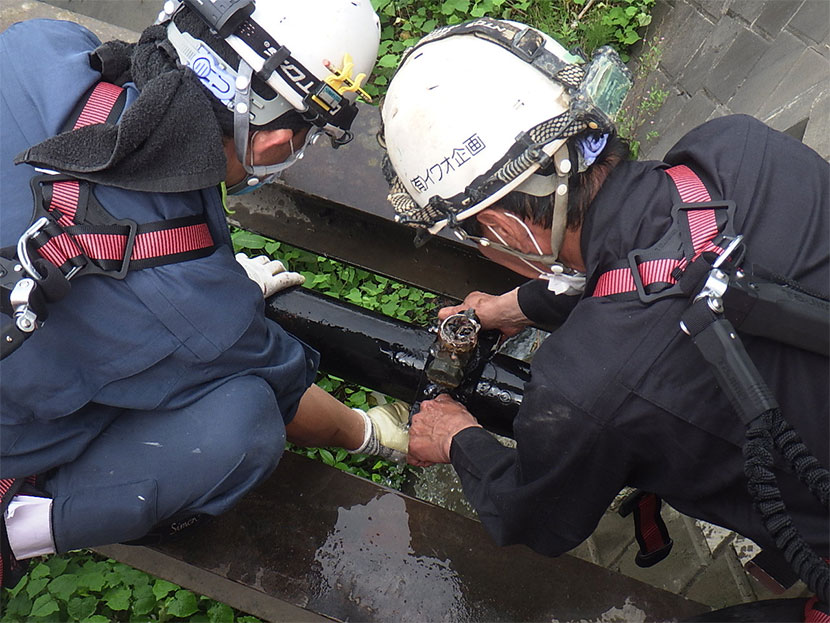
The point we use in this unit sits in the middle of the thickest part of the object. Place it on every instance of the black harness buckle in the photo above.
(91, 268)
(676, 243)
(132, 231)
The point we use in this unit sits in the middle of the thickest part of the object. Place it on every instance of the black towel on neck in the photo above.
(168, 140)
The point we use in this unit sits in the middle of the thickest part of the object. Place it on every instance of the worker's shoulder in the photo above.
(32, 38)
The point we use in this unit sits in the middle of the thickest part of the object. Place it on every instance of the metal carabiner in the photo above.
(23, 253)
(20, 299)
(717, 281)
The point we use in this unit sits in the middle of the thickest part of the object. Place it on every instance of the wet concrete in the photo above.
(345, 548)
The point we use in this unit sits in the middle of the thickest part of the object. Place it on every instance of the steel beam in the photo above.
(333, 544)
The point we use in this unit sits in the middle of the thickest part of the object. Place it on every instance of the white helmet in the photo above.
(313, 54)
(476, 110)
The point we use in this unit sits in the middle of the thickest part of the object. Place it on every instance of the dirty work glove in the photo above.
(270, 275)
(386, 431)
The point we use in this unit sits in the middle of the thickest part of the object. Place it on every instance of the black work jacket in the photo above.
(619, 396)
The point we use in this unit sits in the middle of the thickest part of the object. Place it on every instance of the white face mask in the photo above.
(558, 281)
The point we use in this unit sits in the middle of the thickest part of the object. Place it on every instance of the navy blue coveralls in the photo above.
(147, 400)
(620, 397)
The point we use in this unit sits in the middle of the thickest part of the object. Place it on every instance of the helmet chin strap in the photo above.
(243, 139)
(542, 186)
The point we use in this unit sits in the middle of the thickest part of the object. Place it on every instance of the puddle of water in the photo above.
(369, 568)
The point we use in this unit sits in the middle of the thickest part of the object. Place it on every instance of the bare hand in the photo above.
(494, 312)
(432, 430)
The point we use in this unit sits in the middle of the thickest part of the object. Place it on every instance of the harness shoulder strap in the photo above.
(80, 237)
(699, 225)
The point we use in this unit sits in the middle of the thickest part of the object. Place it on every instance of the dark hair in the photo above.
(582, 188)
(188, 21)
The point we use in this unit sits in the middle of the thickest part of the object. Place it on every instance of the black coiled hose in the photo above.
(763, 433)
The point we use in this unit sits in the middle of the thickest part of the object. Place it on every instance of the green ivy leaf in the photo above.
(81, 607)
(183, 604)
(162, 587)
(220, 613)
(93, 580)
(131, 576)
(35, 586)
(271, 247)
(630, 37)
(57, 565)
(64, 586)
(248, 240)
(117, 597)
(97, 618)
(248, 619)
(40, 571)
(144, 601)
(389, 308)
(388, 60)
(44, 606)
(20, 604)
(327, 457)
(144, 605)
(20, 585)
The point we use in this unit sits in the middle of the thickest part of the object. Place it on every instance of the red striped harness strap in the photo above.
(699, 225)
(80, 237)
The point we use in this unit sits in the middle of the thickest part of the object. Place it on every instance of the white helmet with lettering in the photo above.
(478, 110)
(313, 55)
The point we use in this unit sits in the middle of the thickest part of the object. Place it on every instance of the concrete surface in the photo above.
(708, 58)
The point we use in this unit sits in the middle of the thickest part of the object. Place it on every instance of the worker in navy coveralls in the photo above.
(619, 396)
(145, 403)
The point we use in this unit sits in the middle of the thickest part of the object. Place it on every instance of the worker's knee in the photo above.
(248, 436)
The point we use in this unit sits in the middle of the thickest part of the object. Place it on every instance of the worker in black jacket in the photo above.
(620, 395)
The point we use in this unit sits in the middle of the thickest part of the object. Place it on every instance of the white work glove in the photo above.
(386, 431)
(270, 275)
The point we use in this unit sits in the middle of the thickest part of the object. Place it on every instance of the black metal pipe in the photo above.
(389, 355)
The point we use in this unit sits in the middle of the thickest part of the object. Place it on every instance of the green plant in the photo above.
(615, 22)
(652, 102)
(580, 23)
(637, 111)
(342, 281)
(81, 586)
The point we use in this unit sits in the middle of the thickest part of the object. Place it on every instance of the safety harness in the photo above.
(701, 248)
(74, 236)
